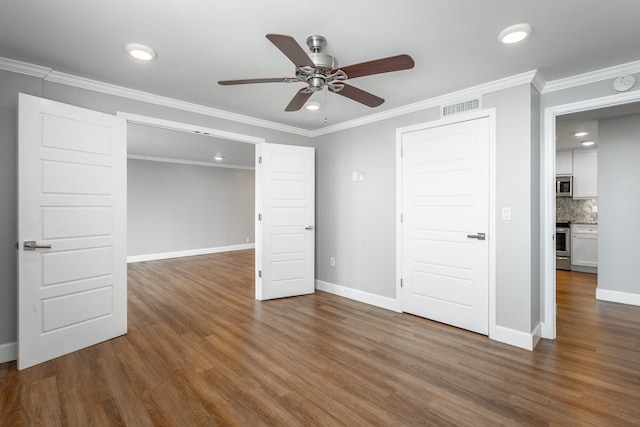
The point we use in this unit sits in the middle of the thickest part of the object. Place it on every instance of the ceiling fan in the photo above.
(320, 70)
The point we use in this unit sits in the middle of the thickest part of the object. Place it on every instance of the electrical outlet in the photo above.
(361, 176)
(248, 239)
(332, 262)
(354, 176)
(594, 209)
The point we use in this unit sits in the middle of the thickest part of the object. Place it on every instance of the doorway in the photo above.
(622, 101)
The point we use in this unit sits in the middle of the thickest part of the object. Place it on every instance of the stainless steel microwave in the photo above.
(564, 186)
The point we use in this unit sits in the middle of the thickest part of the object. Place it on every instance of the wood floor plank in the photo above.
(202, 351)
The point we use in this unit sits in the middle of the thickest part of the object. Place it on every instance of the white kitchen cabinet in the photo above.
(564, 162)
(584, 245)
(585, 174)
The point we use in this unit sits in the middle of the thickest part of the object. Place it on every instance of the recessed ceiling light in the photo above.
(141, 52)
(579, 134)
(588, 143)
(515, 33)
(218, 158)
(312, 106)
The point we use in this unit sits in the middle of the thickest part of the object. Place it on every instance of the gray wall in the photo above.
(175, 207)
(618, 203)
(10, 85)
(356, 220)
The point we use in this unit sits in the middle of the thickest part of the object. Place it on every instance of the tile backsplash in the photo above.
(576, 210)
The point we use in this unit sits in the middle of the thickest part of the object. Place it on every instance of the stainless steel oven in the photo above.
(563, 245)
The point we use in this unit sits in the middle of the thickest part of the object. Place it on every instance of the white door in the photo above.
(445, 194)
(285, 247)
(71, 197)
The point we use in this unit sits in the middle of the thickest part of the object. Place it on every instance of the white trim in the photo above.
(592, 77)
(548, 197)
(187, 162)
(53, 76)
(190, 252)
(357, 295)
(532, 77)
(23, 68)
(8, 352)
(617, 296)
(187, 127)
(97, 86)
(527, 341)
(489, 113)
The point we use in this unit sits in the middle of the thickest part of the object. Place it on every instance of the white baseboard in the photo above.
(527, 341)
(361, 296)
(8, 352)
(617, 296)
(190, 252)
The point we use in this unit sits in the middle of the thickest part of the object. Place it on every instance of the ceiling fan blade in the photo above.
(298, 101)
(250, 81)
(378, 66)
(290, 47)
(361, 96)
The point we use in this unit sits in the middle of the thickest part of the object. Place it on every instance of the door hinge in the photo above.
(260, 160)
(259, 217)
(401, 152)
(260, 274)
(17, 245)
(401, 284)
(401, 218)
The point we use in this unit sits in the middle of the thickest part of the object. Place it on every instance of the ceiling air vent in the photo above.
(460, 107)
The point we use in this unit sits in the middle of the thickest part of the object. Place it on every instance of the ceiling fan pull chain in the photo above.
(326, 105)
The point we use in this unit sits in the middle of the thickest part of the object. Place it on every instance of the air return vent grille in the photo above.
(460, 107)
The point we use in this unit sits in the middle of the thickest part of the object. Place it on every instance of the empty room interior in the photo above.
(279, 213)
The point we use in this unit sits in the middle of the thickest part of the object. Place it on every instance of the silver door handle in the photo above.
(479, 236)
(309, 227)
(31, 245)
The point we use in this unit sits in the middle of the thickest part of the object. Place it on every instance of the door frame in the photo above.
(215, 133)
(489, 113)
(548, 205)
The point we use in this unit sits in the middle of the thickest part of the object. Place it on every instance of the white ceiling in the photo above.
(453, 42)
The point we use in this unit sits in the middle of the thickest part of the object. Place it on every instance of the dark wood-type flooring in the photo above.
(201, 351)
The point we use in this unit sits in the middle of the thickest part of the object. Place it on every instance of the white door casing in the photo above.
(71, 196)
(285, 229)
(445, 181)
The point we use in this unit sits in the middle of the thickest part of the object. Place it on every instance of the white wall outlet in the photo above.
(332, 262)
(248, 239)
(594, 209)
(354, 176)
(361, 176)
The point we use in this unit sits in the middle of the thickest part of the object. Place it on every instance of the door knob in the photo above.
(31, 245)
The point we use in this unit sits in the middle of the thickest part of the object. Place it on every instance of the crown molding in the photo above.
(24, 68)
(110, 89)
(592, 77)
(525, 78)
(187, 162)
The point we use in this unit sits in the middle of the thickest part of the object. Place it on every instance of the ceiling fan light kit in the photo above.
(320, 71)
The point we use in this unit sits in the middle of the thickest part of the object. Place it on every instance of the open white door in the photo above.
(72, 277)
(285, 244)
(445, 205)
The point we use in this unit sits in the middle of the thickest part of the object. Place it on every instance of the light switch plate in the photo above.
(506, 213)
